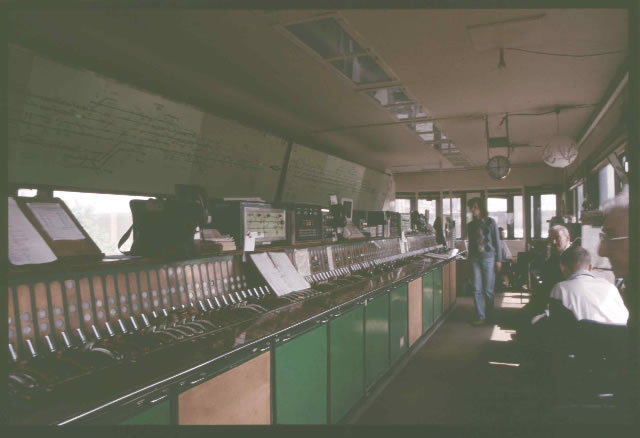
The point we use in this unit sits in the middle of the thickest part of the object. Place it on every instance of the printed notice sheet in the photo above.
(55, 221)
(270, 273)
(26, 245)
(289, 273)
(302, 261)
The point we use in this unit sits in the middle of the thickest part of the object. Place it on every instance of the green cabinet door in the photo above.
(427, 301)
(346, 361)
(156, 415)
(376, 326)
(399, 330)
(437, 293)
(301, 379)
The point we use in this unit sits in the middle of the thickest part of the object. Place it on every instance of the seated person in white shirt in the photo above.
(584, 296)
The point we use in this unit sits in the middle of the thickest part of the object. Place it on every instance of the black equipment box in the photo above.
(306, 223)
(375, 218)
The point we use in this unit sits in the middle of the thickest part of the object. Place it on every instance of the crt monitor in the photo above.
(347, 206)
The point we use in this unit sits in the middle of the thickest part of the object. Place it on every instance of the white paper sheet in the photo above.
(55, 221)
(26, 245)
(289, 273)
(330, 258)
(249, 241)
(270, 273)
(303, 261)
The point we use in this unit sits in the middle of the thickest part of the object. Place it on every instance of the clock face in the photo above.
(499, 167)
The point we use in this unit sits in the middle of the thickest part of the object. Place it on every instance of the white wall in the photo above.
(475, 179)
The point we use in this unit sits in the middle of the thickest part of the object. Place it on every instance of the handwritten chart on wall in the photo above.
(71, 127)
(313, 176)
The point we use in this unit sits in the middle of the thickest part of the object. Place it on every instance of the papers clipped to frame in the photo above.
(279, 272)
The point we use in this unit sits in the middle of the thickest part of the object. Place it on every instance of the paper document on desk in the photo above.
(26, 245)
(291, 276)
(270, 273)
(55, 221)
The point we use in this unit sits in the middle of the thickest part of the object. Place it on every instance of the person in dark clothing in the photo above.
(550, 274)
(437, 224)
(485, 255)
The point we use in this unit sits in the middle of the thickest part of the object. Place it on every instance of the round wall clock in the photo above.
(499, 167)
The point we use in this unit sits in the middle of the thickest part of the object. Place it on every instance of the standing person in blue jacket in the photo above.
(485, 256)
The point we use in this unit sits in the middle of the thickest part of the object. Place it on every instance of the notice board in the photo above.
(75, 128)
(312, 176)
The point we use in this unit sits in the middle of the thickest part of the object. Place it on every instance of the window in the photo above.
(579, 200)
(547, 211)
(105, 217)
(606, 184)
(403, 205)
(428, 204)
(456, 215)
(27, 192)
(497, 209)
(518, 219)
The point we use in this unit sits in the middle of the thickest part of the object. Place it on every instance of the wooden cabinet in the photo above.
(415, 310)
(241, 395)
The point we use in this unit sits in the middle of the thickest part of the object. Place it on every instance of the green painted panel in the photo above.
(346, 346)
(301, 379)
(376, 327)
(157, 415)
(399, 331)
(437, 293)
(427, 301)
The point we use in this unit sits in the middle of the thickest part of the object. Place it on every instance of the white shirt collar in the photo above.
(580, 272)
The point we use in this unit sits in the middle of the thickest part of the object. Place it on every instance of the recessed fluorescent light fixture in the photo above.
(408, 111)
(389, 96)
(332, 42)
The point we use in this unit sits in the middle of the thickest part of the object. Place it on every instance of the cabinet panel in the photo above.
(399, 322)
(415, 310)
(437, 292)
(156, 415)
(453, 285)
(445, 287)
(377, 338)
(301, 379)
(427, 301)
(241, 395)
(346, 358)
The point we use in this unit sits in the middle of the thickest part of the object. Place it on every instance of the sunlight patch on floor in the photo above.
(501, 335)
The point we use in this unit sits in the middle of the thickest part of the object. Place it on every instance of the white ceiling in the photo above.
(241, 64)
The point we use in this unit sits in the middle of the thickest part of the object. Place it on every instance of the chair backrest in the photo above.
(598, 340)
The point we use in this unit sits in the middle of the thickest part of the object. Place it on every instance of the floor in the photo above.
(465, 374)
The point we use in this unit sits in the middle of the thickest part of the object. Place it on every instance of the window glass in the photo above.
(27, 192)
(428, 204)
(547, 211)
(456, 215)
(403, 205)
(606, 184)
(497, 209)
(579, 200)
(532, 212)
(518, 219)
(105, 217)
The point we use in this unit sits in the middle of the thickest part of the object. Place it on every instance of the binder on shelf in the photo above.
(55, 225)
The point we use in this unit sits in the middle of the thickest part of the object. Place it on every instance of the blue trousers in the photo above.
(484, 278)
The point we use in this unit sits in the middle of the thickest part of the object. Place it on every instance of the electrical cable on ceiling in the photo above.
(559, 54)
(556, 110)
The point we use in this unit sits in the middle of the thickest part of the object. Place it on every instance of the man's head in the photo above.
(574, 259)
(559, 238)
(614, 241)
(503, 233)
(478, 207)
